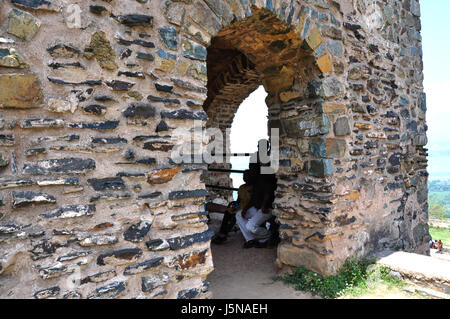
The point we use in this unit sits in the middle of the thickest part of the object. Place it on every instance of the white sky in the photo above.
(250, 123)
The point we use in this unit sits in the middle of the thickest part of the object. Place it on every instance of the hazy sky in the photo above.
(436, 55)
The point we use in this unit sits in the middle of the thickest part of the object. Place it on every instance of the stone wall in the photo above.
(96, 95)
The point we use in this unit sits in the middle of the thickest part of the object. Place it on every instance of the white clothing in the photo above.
(253, 225)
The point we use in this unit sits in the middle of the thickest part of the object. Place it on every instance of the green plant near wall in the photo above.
(353, 273)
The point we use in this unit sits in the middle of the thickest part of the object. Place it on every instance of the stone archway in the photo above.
(296, 70)
(88, 184)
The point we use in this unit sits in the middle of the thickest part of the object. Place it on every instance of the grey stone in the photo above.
(341, 127)
(27, 198)
(117, 85)
(140, 110)
(188, 194)
(149, 283)
(134, 20)
(110, 291)
(42, 123)
(137, 232)
(183, 114)
(3, 161)
(107, 125)
(54, 271)
(74, 255)
(308, 125)
(189, 240)
(143, 266)
(63, 166)
(169, 36)
(321, 168)
(7, 140)
(194, 50)
(123, 255)
(420, 233)
(99, 277)
(97, 240)
(47, 293)
(110, 183)
(420, 140)
(50, 5)
(71, 211)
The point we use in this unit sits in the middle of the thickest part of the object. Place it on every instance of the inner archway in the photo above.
(263, 50)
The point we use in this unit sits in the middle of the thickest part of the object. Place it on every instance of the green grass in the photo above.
(441, 234)
(356, 279)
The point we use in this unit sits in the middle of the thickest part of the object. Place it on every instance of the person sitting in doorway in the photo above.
(242, 204)
(252, 222)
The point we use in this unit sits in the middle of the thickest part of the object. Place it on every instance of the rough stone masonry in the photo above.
(93, 95)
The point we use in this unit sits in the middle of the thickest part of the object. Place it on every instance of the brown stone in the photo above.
(335, 147)
(20, 91)
(100, 48)
(335, 108)
(324, 63)
(314, 39)
(364, 126)
(162, 176)
(351, 196)
(189, 260)
(288, 96)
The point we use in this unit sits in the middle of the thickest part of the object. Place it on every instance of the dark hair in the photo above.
(250, 177)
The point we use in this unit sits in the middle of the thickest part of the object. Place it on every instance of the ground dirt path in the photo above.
(246, 273)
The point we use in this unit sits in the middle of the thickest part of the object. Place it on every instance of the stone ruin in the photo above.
(93, 93)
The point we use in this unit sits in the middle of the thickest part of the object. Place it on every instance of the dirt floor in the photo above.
(246, 273)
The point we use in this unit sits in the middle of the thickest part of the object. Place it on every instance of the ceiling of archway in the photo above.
(272, 47)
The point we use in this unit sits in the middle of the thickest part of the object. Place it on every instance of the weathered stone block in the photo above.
(162, 176)
(193, 50)
(342, 127)
(23, 24)
(137, 232)
(149, 283)
(50, 5)
(109, 183)
(62, 166)
(328, 148)
(119, 257)
(321, 168)
(140, 110)
(27, 198)
(20, 91)
(108, 292)
(143, 266)
(99, 277)
(135, 20)
(188, 194)
(71, 211)
(169, 36)
(186, 241)
(47, 293)
(308, 125)
(9, 58)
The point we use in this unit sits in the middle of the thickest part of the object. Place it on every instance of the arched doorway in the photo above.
(297, 74)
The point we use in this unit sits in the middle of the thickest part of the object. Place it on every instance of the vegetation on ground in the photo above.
(443, 234)
(355, 279)
(437, 208)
